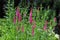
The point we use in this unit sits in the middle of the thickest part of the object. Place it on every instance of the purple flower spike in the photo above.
(30, 17)
(45, 27)
(32, 32)
(18, 14)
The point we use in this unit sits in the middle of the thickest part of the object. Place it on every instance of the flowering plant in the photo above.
(37, 26)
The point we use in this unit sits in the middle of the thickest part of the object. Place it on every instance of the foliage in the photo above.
(23, 30)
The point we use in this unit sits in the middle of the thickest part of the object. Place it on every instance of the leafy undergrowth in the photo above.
(38, 25)
(11, 31)
(24, 30)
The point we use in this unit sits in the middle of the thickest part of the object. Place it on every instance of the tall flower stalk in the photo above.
(34, 25)
(45, 25)
(30, 16)
(18, 14)
(32, 32)
(22, 29)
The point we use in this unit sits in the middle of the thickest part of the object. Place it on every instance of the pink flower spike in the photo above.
(54, 19)
(18, 14)
(31, 20)
(22, 28)
(34, 26)
(17, 11)
(45, 27)
(14, 20)
(19, 18)
(30, 17)
(31, 13)
(32, 32)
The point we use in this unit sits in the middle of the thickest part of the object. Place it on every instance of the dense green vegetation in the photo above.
(15, 27)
